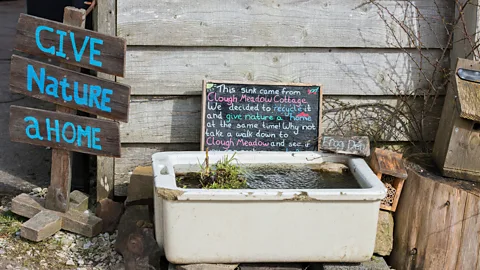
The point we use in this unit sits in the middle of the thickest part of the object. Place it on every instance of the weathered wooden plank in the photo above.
(105, 17)
(468, 93)
(102, 97)
(60, 130)
(58, 195)
(180, 71)
(100, 52)
(470, 248)
(141, 155)
(178, 119)
(283, 23)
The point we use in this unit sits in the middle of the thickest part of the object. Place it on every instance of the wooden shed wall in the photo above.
(350, 46)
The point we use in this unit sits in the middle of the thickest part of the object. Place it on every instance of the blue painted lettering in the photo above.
(34, 126)
(95, 92)
(60, 52)
(52, 88)
(105, 100)
(84, 99)
(65, 132)
(54, 129)
(95, 139)
(32, 75)
(78, 54)
(50, 50)
(84, 132)
(94, 51)
(64, 84)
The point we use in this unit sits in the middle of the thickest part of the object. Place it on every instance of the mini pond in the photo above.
(284, 176)
(288, 209)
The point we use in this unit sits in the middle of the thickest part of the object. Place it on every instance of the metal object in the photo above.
(469, 75)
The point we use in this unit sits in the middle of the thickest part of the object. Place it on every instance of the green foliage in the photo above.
(10, 223)
(225, 174)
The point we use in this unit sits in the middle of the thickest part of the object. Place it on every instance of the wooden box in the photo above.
(389, 168)
(457, 145)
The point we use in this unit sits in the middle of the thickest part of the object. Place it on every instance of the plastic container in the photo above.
(264, 225)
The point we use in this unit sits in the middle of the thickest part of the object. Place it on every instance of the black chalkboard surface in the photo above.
(244, 116)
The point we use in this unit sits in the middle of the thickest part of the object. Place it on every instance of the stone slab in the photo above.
(141, 184)
(42, 225)
(271, 266)
(83, 223)
(204, 266)
(384, 238)
(376, 263)
(78, 201)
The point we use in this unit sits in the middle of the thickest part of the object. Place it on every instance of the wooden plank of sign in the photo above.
(356, 145)
(116, 104)
(81, 47)
(45, 134)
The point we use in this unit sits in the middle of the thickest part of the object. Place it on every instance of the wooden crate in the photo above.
(389, 168)
(457, 145)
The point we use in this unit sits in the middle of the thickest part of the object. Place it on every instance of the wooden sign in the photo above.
(71, 45)
(357, 145)
(245, 116)
(68, 88)
(64, 131)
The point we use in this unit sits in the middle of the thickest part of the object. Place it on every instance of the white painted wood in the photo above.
(140, 155)
(178, 119)
(180, 71)
(283, 23)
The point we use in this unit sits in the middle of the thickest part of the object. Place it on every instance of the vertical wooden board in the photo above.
(321, 23)
(30, 126)
(445, 128)
(40, 37)
(105, 18)
(469, 250)
(112, 101)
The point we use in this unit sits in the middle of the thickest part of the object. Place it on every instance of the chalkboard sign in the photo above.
(245, 116)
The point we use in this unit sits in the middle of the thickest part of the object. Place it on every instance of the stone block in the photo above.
(376, 263)
(271, 266)
(136, 241)
(140, 187)
(78, 201)
(110, 212)
(42, 225)
(205, 266)
(384, 238)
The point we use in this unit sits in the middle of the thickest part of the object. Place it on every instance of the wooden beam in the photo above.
(61, 173)
(105, 18)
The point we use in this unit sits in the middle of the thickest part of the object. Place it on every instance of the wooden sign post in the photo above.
(73, 47)
(245, 116)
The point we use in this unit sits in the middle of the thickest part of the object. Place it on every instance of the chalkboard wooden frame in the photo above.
(263, 83)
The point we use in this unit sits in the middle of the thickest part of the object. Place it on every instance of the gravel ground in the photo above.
(64, 250)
